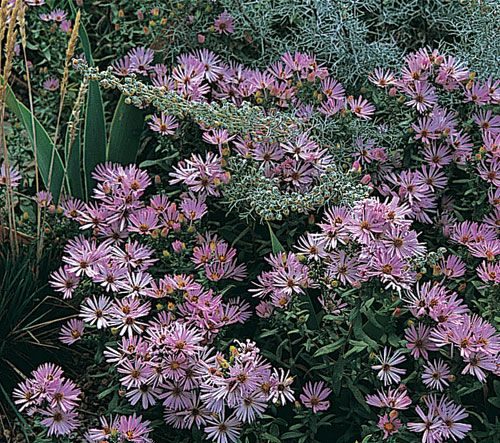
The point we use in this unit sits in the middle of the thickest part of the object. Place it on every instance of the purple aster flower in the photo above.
(58, 15)
(108, 428)
(121, 66)
(71, 332)
(96, 311)
(436, 375)
(134, 430)
(25, 394)
(65, 281)
(451, 415)
(423, 96)
(387, 370)
(140, 60)
(382, 78)
(281, 392)
(224, 23)
(125, 314)
(430, 425)
(478, 363)
(44, 199)
(452, 266)
(252, 406)
(59, 422)
(389, 424)
(51, 84)
(14, 176)
(223, 430)
(315, 396)
(361, 107)
(394, 398)
(489, 272)
(64, 395)
(419, 341)
(164, 124)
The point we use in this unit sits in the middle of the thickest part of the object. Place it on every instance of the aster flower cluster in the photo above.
(373, 240)
(163, 353)
(296, 163)
(58, 17)
(198, 386)
(51, 397)
(121, 429)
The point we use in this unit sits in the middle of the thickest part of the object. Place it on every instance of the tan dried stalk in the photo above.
(70, 52)
(74, 122)
(10, 42)
(24, 44)
(4, 10)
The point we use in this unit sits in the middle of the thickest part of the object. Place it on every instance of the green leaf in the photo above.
(125, 133)
(84, 38)
(495, 401)
(94, 136)
(94, 139)
(44, 145)
(73, 166)
(358, 395)
(275, 243)
(107, 391)
(330, 348)
(270, 438)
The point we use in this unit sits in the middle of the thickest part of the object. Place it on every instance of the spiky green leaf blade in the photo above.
(73, 166)
(46, 154)
(125, 133)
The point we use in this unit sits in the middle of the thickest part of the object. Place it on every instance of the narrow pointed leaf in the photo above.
(73, 168)
(94, 135)
(44, 145)
(275, 243)
(125, 133)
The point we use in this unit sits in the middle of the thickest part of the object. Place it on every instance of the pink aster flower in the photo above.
(387, 370)
(65, 281)
(419, 340)
(59, 422)
(394, 398)
(436, 375)
(389, 424)
(314, 396)
(72, 332)
(423, 96)
(224, 23)
(51, 84)
(164, 124)
(134, 429)
(361, 107)
(452, 266)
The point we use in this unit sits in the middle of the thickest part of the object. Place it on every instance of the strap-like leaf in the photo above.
(73, 166)
(44, 145)
(125, 133)
(94, 135)
(275, 243)
(94, 138)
